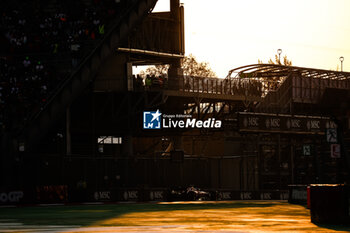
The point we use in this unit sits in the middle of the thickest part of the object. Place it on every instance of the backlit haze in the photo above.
(228, 34)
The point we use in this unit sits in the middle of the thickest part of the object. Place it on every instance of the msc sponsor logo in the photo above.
(131, 195)
(102, 195)
(156, 195)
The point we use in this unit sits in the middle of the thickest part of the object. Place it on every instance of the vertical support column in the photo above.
(182, 30)
(219, 172)
(128, 139)
(174, 73)
(177, 142)
(8, 148)
(317, 156)
(128, 145)
(68, 133)
(176, 15)
(279, 159)
(130, 79)
(256, 165)
(178, 42)
(259, 161)
(198, 103)
(292, 161)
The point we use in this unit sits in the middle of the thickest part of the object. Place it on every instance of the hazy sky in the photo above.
(232, 33)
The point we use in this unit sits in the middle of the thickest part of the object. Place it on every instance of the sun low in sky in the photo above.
(232, 33)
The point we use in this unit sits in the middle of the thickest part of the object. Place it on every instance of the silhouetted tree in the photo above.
(156, 70)
(272, 83)
(285, 61)
(189, 65)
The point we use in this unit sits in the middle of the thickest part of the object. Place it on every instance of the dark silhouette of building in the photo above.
(72, 110)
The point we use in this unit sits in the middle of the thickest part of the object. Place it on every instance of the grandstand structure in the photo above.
(72, 109)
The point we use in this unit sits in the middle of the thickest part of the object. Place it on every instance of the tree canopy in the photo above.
(192, 67)
(285, 61)
(272, 83)
(189, 65)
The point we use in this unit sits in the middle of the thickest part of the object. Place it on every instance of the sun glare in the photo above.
(229, 34)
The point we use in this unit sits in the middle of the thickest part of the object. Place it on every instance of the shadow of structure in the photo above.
(87, 215)
(334, 227)
(239, 215)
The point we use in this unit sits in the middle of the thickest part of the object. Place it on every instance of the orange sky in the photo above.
(232, 33)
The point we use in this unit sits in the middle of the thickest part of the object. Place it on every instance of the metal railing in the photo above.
(246, 87)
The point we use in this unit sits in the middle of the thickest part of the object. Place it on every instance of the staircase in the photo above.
(72, 87)
(278, 99)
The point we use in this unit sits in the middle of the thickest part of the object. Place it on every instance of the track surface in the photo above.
(177, 217)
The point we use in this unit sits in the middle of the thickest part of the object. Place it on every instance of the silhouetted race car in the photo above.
(188, 194)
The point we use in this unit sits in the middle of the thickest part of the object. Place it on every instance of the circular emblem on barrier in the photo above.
(267, 123)
(125, 195)
(151, 195)
(96, 196)
(288, 124)
(3, 197)
(219, 196)
(245, 122)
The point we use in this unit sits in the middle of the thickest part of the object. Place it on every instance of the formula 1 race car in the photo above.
(188, 194)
